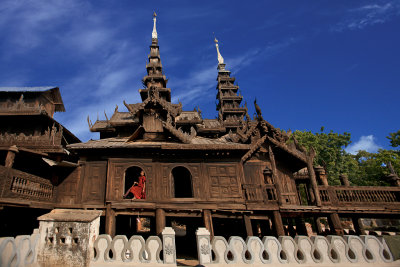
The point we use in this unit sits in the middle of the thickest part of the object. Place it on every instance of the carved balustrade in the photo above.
(366, 195)
(257, 193)
(22, 185)
(51, 137)
(20, 106)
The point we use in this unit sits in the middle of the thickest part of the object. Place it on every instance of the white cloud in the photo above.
(199, 83)
(26, 22)
(366, 143)
(369, 15)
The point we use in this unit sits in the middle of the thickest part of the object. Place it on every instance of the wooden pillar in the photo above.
(320, 172)
(310, 168)
(247, 223)
(208, 224)
(301, 226)
(357, 227)
(275, 177)
(9, 162)
(310, 193)
(344, 180)
(335, 224)
(160, 221)
(317, 222)
(268, 229)
(110, 220)
(278, 224)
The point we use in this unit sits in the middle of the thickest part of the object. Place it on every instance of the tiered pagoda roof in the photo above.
(157, 122)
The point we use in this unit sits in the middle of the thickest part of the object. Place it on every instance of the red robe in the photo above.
(137, 190)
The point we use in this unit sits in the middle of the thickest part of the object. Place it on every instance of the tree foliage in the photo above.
(364, 168)
(394, 139)
(373, 166)
(329, 148)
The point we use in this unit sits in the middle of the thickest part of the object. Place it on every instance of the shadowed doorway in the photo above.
(182, 179)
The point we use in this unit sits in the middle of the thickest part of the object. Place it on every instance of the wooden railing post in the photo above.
(277, 223)
(207, 217)
(12, 151)
(275, 176)
(160, 220)
(335, 223)
(310, 168)
(110, 220)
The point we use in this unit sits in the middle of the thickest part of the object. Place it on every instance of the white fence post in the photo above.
(203, 245)
(169, 249)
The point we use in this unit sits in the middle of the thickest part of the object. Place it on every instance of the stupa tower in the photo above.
(230, 113)
(155, 77)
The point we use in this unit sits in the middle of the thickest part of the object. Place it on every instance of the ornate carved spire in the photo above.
(220, 58)
(155, 77)
(154, 33)
(229, 110)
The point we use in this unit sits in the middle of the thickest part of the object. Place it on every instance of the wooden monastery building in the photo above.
(234, 175)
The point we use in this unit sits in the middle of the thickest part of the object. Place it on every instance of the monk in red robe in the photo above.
(138, 188)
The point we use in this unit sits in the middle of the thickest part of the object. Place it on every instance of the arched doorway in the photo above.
(132, 175)
(182, 179)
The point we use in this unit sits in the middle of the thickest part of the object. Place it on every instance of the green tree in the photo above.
(364, 168)
(373, 166)
(330, 153)
(394, 139)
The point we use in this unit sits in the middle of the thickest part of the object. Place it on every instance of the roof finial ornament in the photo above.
(220, 58)
(154, 33)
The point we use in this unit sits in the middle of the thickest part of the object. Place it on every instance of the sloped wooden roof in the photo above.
(52, 93)
(196, 143)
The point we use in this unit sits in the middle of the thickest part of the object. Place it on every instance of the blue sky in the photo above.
(309, 63)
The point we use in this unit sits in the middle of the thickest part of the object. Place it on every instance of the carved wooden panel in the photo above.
(253, 172)
(289, 190)
(165, 182)
(67, 190)
(151, 124)
(224, 181)
(94, 182)
(150, 179)
(194, 169)
(118, 181)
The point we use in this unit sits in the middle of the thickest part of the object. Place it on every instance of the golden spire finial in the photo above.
(154, 33)
(220, 58)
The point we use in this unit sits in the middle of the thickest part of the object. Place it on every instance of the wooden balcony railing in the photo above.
(22, 185)
(364, 195)
(260, 193)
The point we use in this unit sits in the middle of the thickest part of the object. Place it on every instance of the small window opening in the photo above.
(182, 182)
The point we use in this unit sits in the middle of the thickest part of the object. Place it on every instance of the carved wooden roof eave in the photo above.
(299, 155)
(66, 132)
(176, 133)
(172, 109)
(134, 108)
(98, 129)
(108, 143)
(189, 122)
(211, 130)
(27, 150)
(54, 98)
